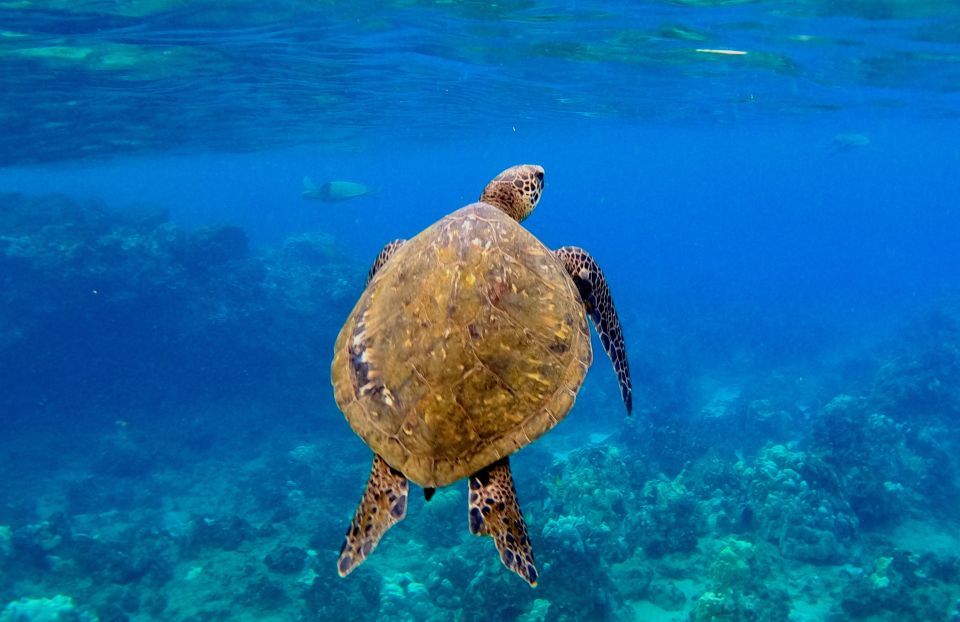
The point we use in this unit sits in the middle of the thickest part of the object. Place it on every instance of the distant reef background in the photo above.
(171, 451)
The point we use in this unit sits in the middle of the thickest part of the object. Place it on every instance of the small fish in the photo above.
(846, 142)
(333, 191)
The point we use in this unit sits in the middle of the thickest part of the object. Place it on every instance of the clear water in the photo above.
(770, 188)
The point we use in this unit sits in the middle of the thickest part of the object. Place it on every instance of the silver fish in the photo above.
(334, 191)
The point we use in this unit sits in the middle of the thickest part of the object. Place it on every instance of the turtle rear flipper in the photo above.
(494, 512)
(383, 505)
(596, 297)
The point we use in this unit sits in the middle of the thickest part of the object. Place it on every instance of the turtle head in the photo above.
(516, 190)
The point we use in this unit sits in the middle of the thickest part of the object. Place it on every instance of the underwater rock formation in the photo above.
(39, 547)
(896, 588)
(166, 504)
(327, 598)
(285, 559)
(895, 442)
(739, 587)
(669, 519)
(892, 465)
(588, 491)
(60, 608)
(799, 506)
(153, 292)
(264, 594)
(586, 510)
(226, 533)
(920, 374)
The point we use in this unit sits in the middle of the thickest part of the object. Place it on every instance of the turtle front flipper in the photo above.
(595, 294)
(385, 253)
(494, 512)
(384, 504)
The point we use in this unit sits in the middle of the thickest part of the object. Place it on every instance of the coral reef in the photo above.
(739, 587)
(200, 298)
(896, 587)
(198, 471)
(57, 609)
(799, 506)
(669, 519)
(286, 559)
(890, 468)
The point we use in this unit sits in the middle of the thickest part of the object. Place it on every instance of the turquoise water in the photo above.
(769, 187)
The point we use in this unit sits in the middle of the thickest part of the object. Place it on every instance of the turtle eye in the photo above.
(540, 175)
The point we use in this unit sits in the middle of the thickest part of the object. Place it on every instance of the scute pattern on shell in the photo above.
(468, 344)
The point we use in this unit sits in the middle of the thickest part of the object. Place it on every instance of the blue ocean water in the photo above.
(769, 187)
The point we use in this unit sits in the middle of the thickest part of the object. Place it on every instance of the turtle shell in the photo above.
(468, 344)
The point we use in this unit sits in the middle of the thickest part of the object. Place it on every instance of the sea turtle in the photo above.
(335, 191)
(469, 342)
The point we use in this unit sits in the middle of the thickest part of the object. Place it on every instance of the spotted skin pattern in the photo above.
(493, 506)
(516, 190)
(383, 505)
(595, 293)
(385, 253)
(494, 512)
